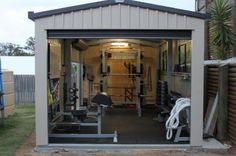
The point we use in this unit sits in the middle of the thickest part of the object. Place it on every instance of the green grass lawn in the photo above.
(16, 129)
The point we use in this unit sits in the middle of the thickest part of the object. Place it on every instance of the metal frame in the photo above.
(196, 90)
(138, 78)
(186, 126)
(120, 34)
(97, 124)
(81, 96)
(178, 138)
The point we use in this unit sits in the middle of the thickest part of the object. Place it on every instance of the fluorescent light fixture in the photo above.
(119, 1)
(119, 44)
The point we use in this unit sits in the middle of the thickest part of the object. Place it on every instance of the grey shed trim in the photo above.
(119, 34)
(33, 16)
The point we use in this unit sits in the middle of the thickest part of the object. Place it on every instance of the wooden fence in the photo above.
(24, 89)
(232, 103)
(212, 77)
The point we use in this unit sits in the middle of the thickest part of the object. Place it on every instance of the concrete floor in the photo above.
(27, 149)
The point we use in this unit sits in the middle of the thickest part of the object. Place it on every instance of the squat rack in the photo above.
(105, 76)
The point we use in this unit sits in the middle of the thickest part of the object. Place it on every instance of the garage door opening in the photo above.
(137, 79)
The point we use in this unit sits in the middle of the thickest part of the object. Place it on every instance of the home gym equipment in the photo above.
(73, 95)
(1, 95)
(162, 92)
(79, 116)
(163, 110)
(90, 78)
(176, 121)
(134, 73)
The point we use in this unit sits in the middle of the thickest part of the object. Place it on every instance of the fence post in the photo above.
(222, 102)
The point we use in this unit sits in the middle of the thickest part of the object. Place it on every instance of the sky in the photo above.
(21, 65)
(15, 26)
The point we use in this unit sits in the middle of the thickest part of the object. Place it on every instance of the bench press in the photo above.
(102, 101)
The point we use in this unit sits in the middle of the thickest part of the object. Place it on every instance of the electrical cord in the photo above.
(173, 120)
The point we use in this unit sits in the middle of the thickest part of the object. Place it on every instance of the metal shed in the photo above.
(119, 19)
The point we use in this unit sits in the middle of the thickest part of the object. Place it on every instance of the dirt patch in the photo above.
(27, 149)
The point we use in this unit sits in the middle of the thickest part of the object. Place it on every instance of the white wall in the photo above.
(20, 65)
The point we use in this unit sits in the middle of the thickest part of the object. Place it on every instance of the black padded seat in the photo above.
(102, 100)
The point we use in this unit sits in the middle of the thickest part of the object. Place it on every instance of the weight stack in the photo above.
(162, 93)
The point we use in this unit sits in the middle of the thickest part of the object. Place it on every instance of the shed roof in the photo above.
(43, 14)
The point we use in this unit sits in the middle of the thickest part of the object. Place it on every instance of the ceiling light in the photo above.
(119, 44)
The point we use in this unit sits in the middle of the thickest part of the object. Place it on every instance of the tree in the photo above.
(2, 50)
(11, 49)
(221, 34)
(30, 44)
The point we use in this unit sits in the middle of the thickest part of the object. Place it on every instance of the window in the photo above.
(185, 57)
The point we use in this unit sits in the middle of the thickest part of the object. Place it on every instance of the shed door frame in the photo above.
(120, 34)
(197, 76)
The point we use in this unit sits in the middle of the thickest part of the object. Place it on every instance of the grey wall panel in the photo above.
(153, 19)
(41, 83)
(163, 21)
(115, 16)
(134, 18)
(181, 21)
(78, 20)
(172, 21)
(144, 18)
(51, 22)
(59, 21)
(97, 20)
(87, 19)
(106, 17)
(125, 16)
(192, 23)
(68, 20)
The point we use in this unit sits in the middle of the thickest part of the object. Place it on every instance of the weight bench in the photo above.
(102, 101)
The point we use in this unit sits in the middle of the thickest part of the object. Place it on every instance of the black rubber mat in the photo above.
(131, 129)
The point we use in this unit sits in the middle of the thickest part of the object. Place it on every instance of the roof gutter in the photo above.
(31, 15)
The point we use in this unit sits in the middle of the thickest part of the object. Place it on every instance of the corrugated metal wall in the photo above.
(118, 17)
(24, 89)
(232, 104)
